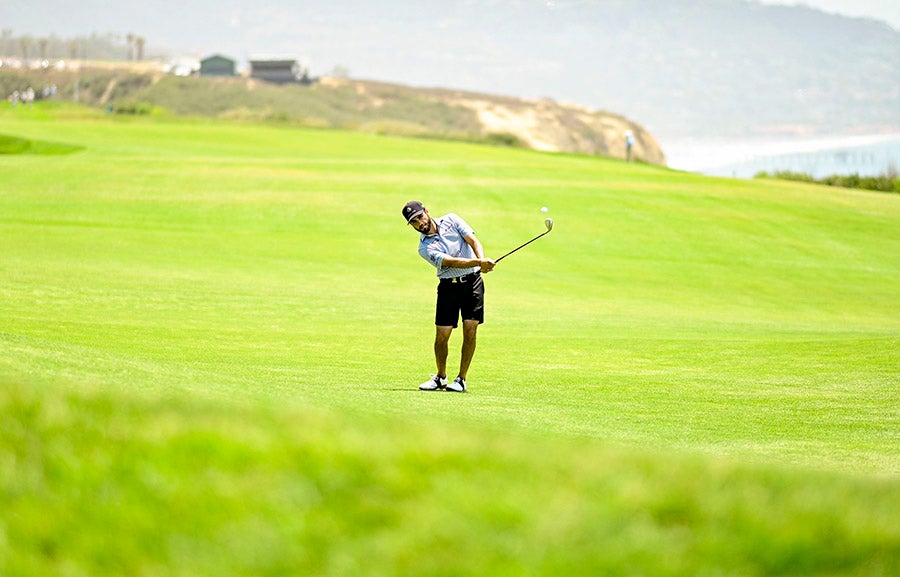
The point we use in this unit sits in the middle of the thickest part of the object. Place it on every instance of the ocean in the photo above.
(869, 155)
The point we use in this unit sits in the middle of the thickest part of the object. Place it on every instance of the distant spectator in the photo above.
(14, 98)
(629, 142)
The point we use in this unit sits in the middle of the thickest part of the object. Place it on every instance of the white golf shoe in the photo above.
(435, 383)
(458, 385)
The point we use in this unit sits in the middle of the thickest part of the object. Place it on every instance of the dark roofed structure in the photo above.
(217, 65)
(278, 71)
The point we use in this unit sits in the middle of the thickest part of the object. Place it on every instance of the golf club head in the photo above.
(549, 224)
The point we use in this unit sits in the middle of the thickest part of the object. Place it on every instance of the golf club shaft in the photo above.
(521, 246)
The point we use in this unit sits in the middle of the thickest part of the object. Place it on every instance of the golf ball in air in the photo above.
(544, 209)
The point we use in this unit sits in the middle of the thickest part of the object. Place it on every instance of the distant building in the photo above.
(278, 71)
(183, 66)
(217, 65)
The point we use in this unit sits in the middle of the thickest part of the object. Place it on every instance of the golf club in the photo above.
(548, 223)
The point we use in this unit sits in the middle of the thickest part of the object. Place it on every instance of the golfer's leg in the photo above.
(441, 338)
(470, 331)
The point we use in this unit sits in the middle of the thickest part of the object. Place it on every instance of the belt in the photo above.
(461, 279)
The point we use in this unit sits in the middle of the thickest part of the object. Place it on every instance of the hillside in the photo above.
(355, 104)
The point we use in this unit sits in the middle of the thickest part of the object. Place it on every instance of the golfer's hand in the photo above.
(487, 265)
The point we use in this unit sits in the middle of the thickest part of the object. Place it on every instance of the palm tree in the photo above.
(7, 42)
(139, 46)
(130, 37)
(24, 43)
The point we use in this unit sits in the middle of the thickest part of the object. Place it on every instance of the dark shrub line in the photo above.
(887, 182)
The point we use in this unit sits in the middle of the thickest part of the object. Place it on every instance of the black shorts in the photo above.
(465, 295)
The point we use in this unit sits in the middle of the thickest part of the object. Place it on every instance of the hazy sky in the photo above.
(887, 10)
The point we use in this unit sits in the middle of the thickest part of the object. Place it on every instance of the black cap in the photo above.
(412, 209)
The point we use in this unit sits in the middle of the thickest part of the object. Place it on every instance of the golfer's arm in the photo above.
(479, 259)
(476, 246)
(454, 262)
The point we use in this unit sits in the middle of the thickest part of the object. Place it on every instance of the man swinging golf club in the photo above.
(449, 244)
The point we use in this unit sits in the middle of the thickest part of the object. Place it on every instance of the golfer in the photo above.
(449, 244)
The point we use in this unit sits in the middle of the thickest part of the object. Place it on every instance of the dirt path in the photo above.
(109, 88)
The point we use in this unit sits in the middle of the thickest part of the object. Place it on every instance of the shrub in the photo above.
(137, 108)
(504, 139)
(394, 128)
(887, 182)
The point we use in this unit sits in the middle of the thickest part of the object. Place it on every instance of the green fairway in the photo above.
(226, 324)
